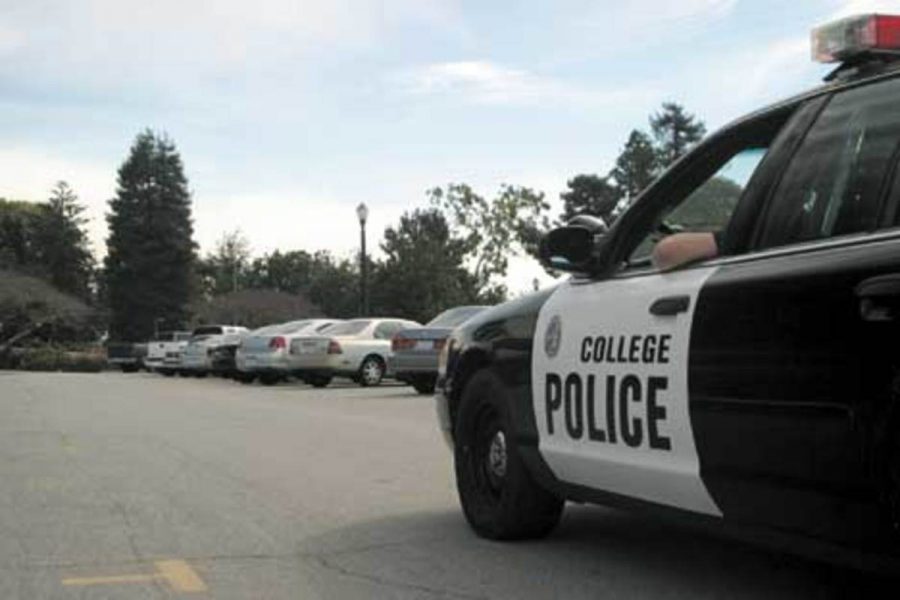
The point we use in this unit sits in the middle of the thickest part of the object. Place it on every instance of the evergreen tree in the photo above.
(62, 244)
(424, 269)
(675, 131)
(150, 251)
(637, 165)
(592, 195)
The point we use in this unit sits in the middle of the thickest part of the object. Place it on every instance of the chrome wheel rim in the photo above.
(372, 372)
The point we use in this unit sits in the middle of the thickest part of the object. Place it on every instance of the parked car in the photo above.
(415, 351)
(158, 350)
(211, 350)
(126, 356)
(263, 353)
(359, 349)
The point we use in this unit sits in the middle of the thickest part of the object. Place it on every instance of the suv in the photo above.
(756, 391)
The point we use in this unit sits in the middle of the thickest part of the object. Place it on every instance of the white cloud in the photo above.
(485, 82)
(846, 8)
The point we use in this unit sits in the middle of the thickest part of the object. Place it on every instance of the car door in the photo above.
(611, 355)
(793, 345)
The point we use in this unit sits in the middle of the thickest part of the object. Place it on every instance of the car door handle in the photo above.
(879, 297)
(670, 306)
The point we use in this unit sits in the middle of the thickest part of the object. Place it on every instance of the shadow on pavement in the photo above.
(596, 552)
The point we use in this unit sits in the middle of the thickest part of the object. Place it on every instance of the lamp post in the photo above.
(362, 212)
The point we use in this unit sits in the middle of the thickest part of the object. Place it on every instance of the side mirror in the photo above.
(571, 247)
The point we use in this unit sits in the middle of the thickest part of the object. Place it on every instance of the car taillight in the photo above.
(334, 347)
(277, 343)
(398, 342)
(439, 344)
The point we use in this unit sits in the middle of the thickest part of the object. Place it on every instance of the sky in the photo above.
(289, 113)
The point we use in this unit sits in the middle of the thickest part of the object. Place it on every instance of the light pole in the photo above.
(362, 212)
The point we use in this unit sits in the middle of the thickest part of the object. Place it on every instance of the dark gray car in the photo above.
(415, 352)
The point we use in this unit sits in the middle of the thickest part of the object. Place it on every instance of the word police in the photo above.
(612, 408)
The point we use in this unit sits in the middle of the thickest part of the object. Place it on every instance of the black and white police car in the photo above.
(756, 392)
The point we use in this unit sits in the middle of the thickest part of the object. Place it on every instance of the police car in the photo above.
(756, 392)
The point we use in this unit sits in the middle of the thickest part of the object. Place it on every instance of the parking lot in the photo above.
(139, 486)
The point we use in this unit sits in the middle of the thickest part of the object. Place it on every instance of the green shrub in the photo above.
(48, 358)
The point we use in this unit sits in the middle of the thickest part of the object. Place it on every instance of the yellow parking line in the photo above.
(180, 576)
(112, 579)
(177, 573)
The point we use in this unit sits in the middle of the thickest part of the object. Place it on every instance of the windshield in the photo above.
(347, 328)
(455, 316)
(207, 331)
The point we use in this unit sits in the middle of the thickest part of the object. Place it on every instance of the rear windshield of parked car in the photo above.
(348, 328)
(454, 316)
(211, 330)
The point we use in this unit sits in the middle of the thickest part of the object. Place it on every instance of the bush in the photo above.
(53, 359)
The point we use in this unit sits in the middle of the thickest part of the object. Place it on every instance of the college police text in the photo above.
(614, 415)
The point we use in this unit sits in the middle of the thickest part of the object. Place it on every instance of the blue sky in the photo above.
(288, 113)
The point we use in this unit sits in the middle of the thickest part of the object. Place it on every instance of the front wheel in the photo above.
(499, 498)
(371, 372)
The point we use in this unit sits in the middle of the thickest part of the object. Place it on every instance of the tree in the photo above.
(592, 195)
(423, 272)
(675, 131)
(493, 230)
(62, 243)
(255, 307)
(226, 268)
(150, 251)
(637, 165)
(18, 224)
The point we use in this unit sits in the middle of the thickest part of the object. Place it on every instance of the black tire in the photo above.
(245, 378)
(167, 372)
(371, 371)
(499, 498)
(130, 368)
(184, 373)
(269, 378)
(200, 374)
(424, 385)
(319, 381)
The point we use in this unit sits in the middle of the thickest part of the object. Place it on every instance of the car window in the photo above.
(708, 207)
(324, 326)
(454, 316)
(833, 185)
(207, 331)
(348, 327)
(387, 329)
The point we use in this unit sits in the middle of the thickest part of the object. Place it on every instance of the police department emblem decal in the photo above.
(553, 336)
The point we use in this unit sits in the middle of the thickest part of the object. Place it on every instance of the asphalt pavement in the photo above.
(139, 486)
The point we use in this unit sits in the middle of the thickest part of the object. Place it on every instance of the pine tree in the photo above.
(637, 165)
(675, 131)
(62, 243)
(150, 251)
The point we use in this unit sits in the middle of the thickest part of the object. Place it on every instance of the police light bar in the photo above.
(853, 36)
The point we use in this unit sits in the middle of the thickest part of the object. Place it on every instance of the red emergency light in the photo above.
(854, 36)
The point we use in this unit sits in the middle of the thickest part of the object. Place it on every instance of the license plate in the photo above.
(424, 345)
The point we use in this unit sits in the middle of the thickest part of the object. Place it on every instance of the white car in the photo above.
(166, 343)
(359, 349)
(263, 353)
(210, 349)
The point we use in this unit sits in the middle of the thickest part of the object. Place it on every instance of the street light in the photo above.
(362, 212)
